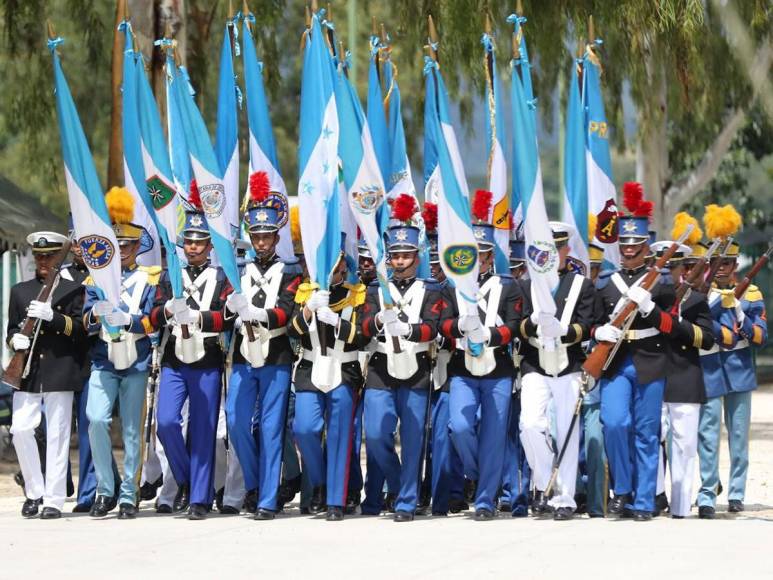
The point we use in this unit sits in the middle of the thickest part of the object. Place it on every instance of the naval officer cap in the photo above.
(46, 242)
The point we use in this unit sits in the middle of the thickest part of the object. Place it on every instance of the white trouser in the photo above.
(26, 417)
(537, 391)
(157, 465)
(683, 419)
(665, 427)
(228, 471)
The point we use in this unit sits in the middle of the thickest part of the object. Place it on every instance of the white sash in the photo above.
(326, 370)
(202, 290)
(403, 365)
(122, 352)
(252, 282)
(557, 360)
(489, 296)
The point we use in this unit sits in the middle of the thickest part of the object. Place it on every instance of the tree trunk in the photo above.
(115, 152)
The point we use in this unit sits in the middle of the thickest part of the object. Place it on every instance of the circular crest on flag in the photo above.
(212, 199)
(368, 200)
(97, 251)
(575, 265)
(279, 202)
(542, 256)
(460, 259)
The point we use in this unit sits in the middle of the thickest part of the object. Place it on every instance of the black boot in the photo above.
(251, 501)
(197, 511)
(149, 489)
(264, 514)
(456, 505)
(706, 512)
(352, 501)
(127, 511)
(30, 507)
(219, 499)
(183, 498)
(539, 505)
(389, 503)
(616, 505)
(335, 514)
(661, 505)
(470, 488)
(318, 503)
(102, 506)
(50, 513)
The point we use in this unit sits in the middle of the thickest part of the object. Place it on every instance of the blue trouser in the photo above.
(129, 388)
(383, 407)
(191, 464)
(374, 478)
(595, 458)
(630, 414)
(314, 412)
(447, 471)
(355, 469)
(516, 473)
(738, 408)
(87, 478)
(268, 387)
(481, 443)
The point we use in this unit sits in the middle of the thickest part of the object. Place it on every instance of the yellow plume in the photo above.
(593, 221)
(120, 205)
(681, 221)
(721, 222)
(295, 224)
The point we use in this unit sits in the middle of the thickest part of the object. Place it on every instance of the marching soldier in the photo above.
(326, 385)
(397, 382)
(481, 372)
(55, 357)
(729, 376)
(554, 376)
(120, 366)
(262, 355)
(632, 386)
(191, 367)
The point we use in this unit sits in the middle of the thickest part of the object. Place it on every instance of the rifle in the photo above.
(741, 288)
(706, 286)
(12, 375)
(602, 354)
(155, 370)
(688, 284)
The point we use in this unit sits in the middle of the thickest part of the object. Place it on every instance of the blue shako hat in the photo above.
(402, 238)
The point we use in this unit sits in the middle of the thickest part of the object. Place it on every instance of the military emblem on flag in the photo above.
(460, 259)
(161, 194)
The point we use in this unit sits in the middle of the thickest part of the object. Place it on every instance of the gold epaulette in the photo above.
(88, 281)
(753, 293)
(357, 293)
(304, 292)
(153, 272)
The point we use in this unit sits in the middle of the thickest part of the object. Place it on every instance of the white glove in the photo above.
(740, 315)
(398, 328)
(643, 299)
(236, 302)
(319, 299)
(479, 335)
(327, 316)
(20, 341)
(118, 318)
(550, 327)
(187, 316)
(608, 333)
(40, 310)
(102, 308)
(469, 323)
(386, 316)
(175, 306)
(254, 314)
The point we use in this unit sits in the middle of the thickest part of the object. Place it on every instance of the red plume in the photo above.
(645, 209)
(404, 207)
(632, 195)
(481, 204)
(193, 196)
(259, 186)
(429, 214)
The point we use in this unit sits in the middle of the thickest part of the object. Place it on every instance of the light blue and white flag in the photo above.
(540, 250)
(178, 147)
(227, 131)
(364, 185)
(575, 206)
(209, 179)
(377, 120)
(91, 220)
(602, 197)
(499, 215)
(457, 246)
(263, 155)
(318, 188)
(133, 174)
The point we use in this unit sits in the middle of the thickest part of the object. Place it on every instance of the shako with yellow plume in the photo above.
(682, 221)
(120, 206)
(723, 222)
(595, 249)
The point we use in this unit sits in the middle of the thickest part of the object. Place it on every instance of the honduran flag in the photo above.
(318, 189)
(540, 250)
(133, 174)
(227, 131)
(377, 120)
(209, 178)
(91, 220)
(457, 246)
(497, 166)
(263, 155)
(176, 142)
(602, 197)
(575, 203)
(362, 177)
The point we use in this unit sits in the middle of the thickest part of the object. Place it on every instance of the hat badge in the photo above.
(261, 216)
(401, 235)
(629, 226)
(196, 221)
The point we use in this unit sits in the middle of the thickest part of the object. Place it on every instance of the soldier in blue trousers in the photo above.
(262, 356)
(191, 367)
(729, 376)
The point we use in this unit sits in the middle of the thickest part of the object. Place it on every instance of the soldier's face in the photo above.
(437, 272)
(403, 263)
(44, 262)
(197, 251)
(486, 260)
(367, 268)
(264, 242)
(339, 274)
(129, 249)
(676, 273)
(594, 273)
(516, 271)
(563, 254)
(726, 269)
(633, 255)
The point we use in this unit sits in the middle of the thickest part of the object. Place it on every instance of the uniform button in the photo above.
(42, 332)
(684, 347)
(658, 345)
(58, 307)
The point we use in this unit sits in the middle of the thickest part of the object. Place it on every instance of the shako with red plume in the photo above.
(262, 216)
(481, 228)
(634, 220)
(195, 227)
(403, 236)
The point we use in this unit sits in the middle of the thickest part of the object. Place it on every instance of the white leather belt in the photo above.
(341, 356)
(738, 346)
(642, 333)
(419, 347)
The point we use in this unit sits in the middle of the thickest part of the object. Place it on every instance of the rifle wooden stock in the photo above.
(13, 373)
(594, 364)
(706, 286)
(741, 288)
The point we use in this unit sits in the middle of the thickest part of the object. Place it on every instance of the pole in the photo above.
(6, 301)
(115, 152)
